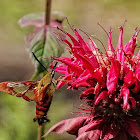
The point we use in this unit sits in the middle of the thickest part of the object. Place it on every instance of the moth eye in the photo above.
(42, 85)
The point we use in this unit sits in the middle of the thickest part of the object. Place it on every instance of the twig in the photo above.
(47, 17)
(47, 12)
(40, 132)
(47, 22)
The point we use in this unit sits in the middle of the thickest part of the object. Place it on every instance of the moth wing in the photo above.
(26, 90)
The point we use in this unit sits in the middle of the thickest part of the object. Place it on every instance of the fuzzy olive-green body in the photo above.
(44, 93)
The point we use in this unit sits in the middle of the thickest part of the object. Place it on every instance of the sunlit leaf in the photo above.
(43, 40)
(33, 19)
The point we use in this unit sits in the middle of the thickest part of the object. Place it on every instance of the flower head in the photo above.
(111, 83)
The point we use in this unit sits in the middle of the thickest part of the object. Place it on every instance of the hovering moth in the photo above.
(40, 92)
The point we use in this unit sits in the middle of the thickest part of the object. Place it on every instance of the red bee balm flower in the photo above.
(111, 84)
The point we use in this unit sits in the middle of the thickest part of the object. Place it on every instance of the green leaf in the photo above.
(44, 48)
(43, 40)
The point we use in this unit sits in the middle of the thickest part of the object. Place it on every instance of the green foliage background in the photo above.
(16, 114)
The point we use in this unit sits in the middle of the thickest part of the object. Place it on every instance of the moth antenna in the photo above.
(53, 72)
(39, 61)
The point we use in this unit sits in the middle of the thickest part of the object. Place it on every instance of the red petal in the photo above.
(61, 68)
(125, 94)
(87, 92)
(97, 89)
(134, 128)
(82, 42)
(90, 135)
(83, 84)
(130, 47)
(101, 96)
(81, 80)
(84, 45)
(71, 65)
(113, 75)
(137, 87)
(120, 54)
(94, 49)
(64, 81)
(137, 72)
(89, 66)
(78, 50)
(110, 46)
(93, 45)
(74, 41)
(71, 126)
(94, 125)
(67, 42)
(87, 63)
(133, 102)
(110, 130)
(129, 78)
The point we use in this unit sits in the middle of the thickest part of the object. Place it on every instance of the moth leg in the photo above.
(46, 120)
(35, 119)
(41, 120)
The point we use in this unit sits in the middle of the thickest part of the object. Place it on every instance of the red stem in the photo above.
(48, 12)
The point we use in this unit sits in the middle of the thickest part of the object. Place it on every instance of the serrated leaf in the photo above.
(32, 19)
(44, 48)
(42, 41)
(37, 19)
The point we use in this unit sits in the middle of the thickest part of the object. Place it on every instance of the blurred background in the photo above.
(15, 65)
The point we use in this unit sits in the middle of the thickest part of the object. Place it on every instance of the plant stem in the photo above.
(40, 132)
(47, 22)
(47, 12)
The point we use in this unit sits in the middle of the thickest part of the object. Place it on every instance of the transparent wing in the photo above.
(20, 89)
